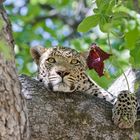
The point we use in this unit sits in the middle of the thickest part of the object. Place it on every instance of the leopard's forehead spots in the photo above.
(65, 52)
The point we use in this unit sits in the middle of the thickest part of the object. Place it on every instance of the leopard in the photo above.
(63, 69)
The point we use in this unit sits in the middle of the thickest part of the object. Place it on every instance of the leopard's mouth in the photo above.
(61, 87)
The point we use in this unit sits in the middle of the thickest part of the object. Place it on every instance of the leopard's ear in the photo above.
(36, 52)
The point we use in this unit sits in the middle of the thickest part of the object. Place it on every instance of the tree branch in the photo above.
(74, 116)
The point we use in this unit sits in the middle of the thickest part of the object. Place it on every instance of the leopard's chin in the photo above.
(61, 87)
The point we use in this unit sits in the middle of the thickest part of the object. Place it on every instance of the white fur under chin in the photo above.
(62, 87)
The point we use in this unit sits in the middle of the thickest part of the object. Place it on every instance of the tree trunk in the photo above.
(74, 116)
(13, 116)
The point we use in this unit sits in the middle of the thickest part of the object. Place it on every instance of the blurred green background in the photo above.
(113, 24)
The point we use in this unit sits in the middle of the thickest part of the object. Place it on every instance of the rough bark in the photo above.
(13, 117)
(73, 116)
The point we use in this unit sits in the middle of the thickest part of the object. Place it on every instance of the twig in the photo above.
(108, 38)
(125, 79)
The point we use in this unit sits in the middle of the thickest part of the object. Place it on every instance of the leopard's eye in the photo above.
(75, 61)
(51, 60)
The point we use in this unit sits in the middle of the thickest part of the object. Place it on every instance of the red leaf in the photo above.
(101, 53)
(95, 59)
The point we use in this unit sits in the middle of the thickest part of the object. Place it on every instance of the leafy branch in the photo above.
(116, 18)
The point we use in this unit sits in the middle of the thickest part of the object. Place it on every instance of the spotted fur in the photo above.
(64, 69)
(125, 110)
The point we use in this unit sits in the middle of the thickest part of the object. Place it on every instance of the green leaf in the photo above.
(135, 56)
(77, 44)
(102, 81)
(88, 23)
(121, 9)
(105, 6)
(131, 38)
(102, 23)
(110, 7)
(102, 4)
(98, 2)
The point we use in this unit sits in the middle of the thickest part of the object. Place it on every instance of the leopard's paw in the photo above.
(125, 110)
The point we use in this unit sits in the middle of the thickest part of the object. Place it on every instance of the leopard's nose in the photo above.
(63, 73)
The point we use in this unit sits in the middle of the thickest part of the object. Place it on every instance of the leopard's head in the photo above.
(60, 69)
